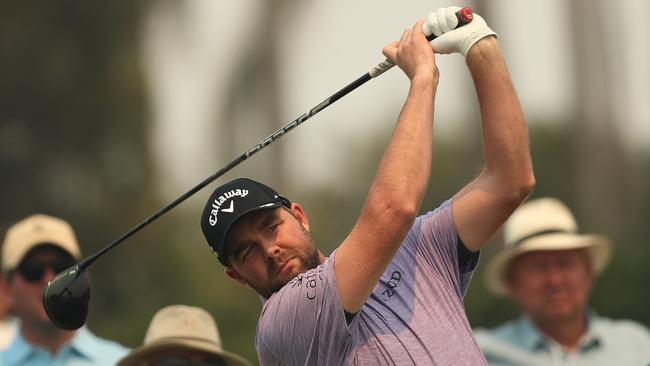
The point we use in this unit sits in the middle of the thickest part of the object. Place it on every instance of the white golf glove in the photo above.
(449, 40)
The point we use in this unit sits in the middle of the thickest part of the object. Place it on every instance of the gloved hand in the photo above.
(449, 40)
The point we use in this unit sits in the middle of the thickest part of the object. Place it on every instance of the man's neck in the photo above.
(566, 332)
(46, 336)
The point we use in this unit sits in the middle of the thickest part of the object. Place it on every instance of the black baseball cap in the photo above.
(230, 202)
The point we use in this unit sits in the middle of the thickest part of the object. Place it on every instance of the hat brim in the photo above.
(142, 353)
(37, 242)
(597, 246)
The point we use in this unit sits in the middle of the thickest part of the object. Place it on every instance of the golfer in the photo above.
(392, 292)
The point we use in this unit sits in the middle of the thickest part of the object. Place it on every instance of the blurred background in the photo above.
(110, 110)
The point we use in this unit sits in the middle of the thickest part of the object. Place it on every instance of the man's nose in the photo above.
(554, 275)
(48, 275)
(271, 249)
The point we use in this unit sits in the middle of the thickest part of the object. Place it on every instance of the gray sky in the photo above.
(190, 51)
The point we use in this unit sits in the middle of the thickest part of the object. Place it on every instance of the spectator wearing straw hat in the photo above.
(549, 270)
(33, 252)
(181, 335)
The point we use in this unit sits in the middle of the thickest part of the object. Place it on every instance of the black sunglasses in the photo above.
(34, 271)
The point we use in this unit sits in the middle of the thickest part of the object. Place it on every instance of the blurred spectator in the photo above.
(181, 335)
(33, 251)
(8, 321)
(549, 270)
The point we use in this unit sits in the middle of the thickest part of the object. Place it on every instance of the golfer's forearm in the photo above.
(507, 177)
(505, 136)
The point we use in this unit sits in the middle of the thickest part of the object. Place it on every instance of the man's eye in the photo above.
(246, 252)
(536, 267)
(274, 227)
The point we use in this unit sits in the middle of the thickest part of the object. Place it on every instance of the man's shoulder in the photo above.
(510, 343)
(97, 346)
(519, 333)
(621, 328)
(508, 330)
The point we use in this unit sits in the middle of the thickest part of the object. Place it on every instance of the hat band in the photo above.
(540, 233)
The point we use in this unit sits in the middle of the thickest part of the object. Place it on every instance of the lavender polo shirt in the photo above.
(414, 316)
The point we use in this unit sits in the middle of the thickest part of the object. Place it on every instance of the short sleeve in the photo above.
(436, 239)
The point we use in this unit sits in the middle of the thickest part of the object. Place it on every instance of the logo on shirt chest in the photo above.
(309, 280)
(391, 285)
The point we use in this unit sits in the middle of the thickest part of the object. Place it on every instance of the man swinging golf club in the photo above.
(392, 292)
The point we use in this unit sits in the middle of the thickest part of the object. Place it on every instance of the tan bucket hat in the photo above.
(542, 224)
(185, 327)
(35, 230)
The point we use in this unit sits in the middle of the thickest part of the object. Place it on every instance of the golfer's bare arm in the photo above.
(507, 179)
(398, 189)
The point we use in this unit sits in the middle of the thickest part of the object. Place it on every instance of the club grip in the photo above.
(464, 16)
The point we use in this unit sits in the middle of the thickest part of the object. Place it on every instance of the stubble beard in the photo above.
(308, 258)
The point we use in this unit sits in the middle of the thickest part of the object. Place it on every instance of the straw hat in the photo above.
(33, 231)
(542, 224)
(184, 327)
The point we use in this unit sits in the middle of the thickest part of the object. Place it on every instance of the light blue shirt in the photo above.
(607, 342)
(84, 349)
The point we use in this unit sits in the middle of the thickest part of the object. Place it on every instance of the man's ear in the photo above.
(300, 215)
(5, 292)
(235, 276)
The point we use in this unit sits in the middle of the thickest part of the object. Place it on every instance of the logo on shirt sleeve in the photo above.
(391, 285)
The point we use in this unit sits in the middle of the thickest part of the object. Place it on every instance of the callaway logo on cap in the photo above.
(230, 202)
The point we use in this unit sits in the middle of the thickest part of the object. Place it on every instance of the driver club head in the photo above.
(66, 298)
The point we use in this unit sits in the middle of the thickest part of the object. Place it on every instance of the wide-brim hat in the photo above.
(34, 231)
(182, 327)
(543, 224)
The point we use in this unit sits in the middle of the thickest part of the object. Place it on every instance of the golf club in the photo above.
(67, 296)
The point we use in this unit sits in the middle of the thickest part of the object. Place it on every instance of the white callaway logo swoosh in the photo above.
(231, 208)
(267, 205)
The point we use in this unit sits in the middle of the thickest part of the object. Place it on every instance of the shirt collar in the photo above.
(531, 338)
(594, 336)
(84, 344)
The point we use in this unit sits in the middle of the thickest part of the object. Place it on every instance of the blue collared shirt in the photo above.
(606, 342)
(84, 349)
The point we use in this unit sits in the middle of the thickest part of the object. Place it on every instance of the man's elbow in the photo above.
(396, 212)
(523, 187)
(512, 189)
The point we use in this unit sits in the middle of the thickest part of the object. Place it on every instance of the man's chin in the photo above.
(282, 279)
(559, 313)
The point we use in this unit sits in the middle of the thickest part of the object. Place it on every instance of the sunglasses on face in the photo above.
(34, 271)
(179, 360)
